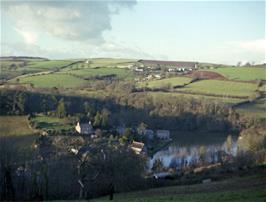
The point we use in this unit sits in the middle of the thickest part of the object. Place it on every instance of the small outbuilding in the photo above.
(137, 147)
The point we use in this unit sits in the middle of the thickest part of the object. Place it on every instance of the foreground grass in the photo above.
(252, 195)
(242, 73)
(237, 189)
(247, 189)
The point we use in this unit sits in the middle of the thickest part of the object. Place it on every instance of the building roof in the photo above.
(138, 145)
(171, 63)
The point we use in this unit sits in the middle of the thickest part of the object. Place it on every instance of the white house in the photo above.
(163, 134)
(84, 128)
(137, 147)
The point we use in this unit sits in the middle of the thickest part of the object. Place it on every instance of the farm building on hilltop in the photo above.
(84, 128)
(163, 134)
(170, 64)
(137, 147)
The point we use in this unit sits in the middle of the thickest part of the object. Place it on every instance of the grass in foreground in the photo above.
(246, 189)
(252, 195)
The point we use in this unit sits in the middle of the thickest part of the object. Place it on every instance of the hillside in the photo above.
(237, 189)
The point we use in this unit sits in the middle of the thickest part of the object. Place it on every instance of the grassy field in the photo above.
(104, 71)
(14, 126)
(246, 189)
(218, 87)
(53, 80)
(242, 73)
(53, 123)
(257, 109)
(46, 65)
(15, 130)
(175, 81)
(103, 62)
(224, 100)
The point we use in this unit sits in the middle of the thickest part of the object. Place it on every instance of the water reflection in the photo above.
(178, 156)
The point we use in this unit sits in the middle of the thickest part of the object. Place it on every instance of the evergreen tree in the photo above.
(97, 120)
(105, 118)
(60, 110)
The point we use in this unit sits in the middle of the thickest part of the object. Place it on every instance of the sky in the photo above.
(204, 31)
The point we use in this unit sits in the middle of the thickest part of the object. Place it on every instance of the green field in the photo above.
(14, 126)
(175, 81)
(100, 62)
(263, 88)
(15, 131)
(218, 87)
(224, 100)
(46, 65)
(103, 62)
(52, 123)
(58, 80)
(247, 189)
(257, 109)
(242, 73)
(103, 71)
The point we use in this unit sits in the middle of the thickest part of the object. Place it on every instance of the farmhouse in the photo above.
(137, 147)
(163, 134)
(170, 64)
(84, 128)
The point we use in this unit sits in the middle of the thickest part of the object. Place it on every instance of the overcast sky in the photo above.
(207, 31)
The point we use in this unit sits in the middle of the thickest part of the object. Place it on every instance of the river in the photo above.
(187, 149)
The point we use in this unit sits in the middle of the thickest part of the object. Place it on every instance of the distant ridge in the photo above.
(22, 58)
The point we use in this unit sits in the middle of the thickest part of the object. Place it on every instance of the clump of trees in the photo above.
(53, 172)
(110, 168)
(252, 143)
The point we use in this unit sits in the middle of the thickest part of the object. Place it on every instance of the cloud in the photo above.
(29, 37)
(78, 21)
(254, 46)
(75, 50)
